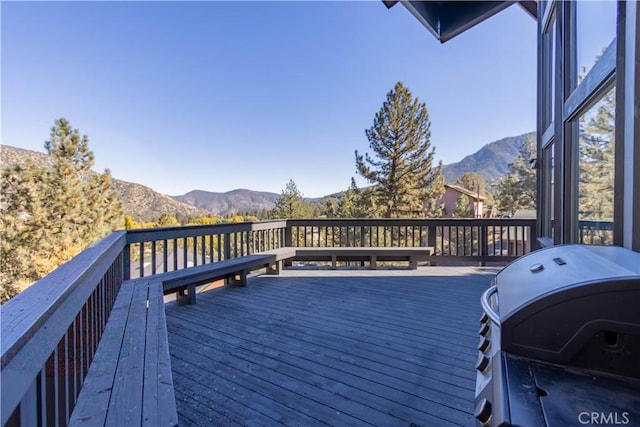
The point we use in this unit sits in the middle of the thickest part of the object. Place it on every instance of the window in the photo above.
(549, 71)
(595, 180)
(595, 30)
(548, 160)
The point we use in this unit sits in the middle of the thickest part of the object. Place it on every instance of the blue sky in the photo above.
(220, 95)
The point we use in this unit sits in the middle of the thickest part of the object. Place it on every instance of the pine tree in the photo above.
(464, 208)
(402, 166)
(290, 204)
(51, 214)
(476, 183)
(517, 190)
(507, 194)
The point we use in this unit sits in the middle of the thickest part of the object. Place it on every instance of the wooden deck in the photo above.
(346, 347)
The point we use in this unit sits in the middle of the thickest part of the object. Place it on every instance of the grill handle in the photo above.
(486, 307)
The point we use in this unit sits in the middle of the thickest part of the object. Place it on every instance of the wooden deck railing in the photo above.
(595, 232)
(482, 240)
(50, 332)
(158, 250)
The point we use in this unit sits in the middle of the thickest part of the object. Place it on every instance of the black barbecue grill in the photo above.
(560, 340)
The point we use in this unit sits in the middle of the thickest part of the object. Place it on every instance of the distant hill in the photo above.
(141, 202)
(230, 202)
(144, 204)
(491, 161)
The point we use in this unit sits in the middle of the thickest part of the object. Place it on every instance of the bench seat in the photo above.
(129, 382)
(183, 282)
(371, 254)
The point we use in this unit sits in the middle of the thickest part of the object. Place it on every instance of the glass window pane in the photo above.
(549, 187)
(595, 30)
(549, 70)
(596, 154)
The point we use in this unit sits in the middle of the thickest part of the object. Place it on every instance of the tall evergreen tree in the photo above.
(401, 168)
(507, 194)
(290, 204)
(517, 190)
(351, 204)
(464, 208)
(48, 215)
(474, 182)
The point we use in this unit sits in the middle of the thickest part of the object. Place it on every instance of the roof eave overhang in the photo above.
(447, 19)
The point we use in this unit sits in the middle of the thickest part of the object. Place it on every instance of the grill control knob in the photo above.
(484, 318)
(483, 411)
(483, 345)
(483, 363)
(484, 330)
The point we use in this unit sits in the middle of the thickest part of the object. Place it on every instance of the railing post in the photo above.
(227, 245)
(484, 243)
(126, 262)
(431, 236)
(531, 245)
(288, 241)
(287, 235)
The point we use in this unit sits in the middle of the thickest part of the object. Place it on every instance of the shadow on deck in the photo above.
(387, 348)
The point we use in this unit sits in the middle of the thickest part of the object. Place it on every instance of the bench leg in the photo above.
(274, 269)
(413, 263)
(374, 262)
(333, 262)
(186, 296)
(240, 281)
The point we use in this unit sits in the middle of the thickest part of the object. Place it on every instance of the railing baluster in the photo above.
(66, 380)
(194, 253)
(203, 249)
(174, 251)
(76, 385)
(165, 255)
(141, 260)
(44, 402)
(153, 257)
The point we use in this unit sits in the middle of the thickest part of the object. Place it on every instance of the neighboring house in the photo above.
(450, 198)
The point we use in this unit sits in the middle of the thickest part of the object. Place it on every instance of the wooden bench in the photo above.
(371, 254)
(184, 282)
(129, 382)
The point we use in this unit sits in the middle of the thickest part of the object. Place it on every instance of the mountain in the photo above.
(144, 204)
(491, 161)
(230, 202)
(141, 202)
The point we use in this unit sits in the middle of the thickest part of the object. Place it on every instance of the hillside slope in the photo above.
(139, 201)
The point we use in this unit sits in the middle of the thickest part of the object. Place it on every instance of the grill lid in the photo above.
(550, 270)
(573, 305)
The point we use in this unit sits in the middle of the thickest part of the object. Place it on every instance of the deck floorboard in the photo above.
(318, 347)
